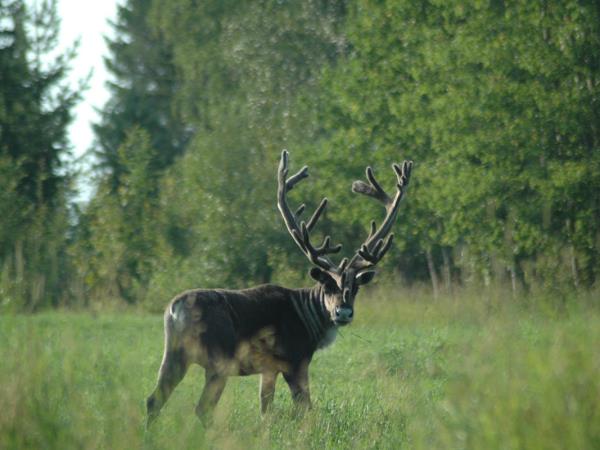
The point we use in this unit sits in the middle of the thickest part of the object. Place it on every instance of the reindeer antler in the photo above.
(301, 233)
(380, 239)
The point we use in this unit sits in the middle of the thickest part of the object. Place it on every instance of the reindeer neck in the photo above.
(309, 304)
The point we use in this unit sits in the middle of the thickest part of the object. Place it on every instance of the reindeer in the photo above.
(270, 329)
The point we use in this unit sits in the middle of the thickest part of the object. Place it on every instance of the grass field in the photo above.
(473, 372)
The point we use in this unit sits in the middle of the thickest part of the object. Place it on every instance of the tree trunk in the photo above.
(447, 271)
(574, 270)
(432, 273)
(513, 279)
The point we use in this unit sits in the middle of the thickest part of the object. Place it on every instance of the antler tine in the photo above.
(379, 240)
(300, 210)
(294, 179)
(386, 246)
(343, 264)
(378, 251)
(373, 229)
(373, 189)
(313, 220)
(326, 248)
(301, 233)
(323, 249)
(403, 173)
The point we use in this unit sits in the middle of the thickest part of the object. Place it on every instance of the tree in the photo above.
(497, 103)
(139, 136)
(144, 84)
(118, 232)
(35, 110)
(245, 68)
(35, 104)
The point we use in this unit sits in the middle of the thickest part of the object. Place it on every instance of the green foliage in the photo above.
(237, 78)
(143, 89)
(496, 103)
(117, 234)
(35, 106)
(410, 373)
(489, 102)
(35, 109)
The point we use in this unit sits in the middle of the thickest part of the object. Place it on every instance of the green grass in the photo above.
(474, 372)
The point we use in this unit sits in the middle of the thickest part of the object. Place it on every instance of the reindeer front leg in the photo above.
(297, 380)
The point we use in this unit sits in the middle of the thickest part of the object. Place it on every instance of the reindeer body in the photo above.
(270, 329)
(265, 330)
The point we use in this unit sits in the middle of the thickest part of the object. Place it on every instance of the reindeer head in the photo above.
(340, 283)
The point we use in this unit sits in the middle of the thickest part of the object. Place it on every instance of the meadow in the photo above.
(475, 371)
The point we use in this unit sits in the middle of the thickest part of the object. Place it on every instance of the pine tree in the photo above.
(35, 105)
(35, 109)
(142, 92)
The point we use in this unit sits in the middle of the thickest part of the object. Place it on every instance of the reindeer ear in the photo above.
(365, 277)
(321, 276)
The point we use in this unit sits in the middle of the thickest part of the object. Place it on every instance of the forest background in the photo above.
(497, 102)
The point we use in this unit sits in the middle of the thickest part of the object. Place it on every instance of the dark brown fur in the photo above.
(245, 332)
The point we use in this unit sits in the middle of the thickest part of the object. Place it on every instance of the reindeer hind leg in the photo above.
(267, 390)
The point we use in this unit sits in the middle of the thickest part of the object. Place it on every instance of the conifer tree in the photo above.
(36, 106)
(144, 81)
